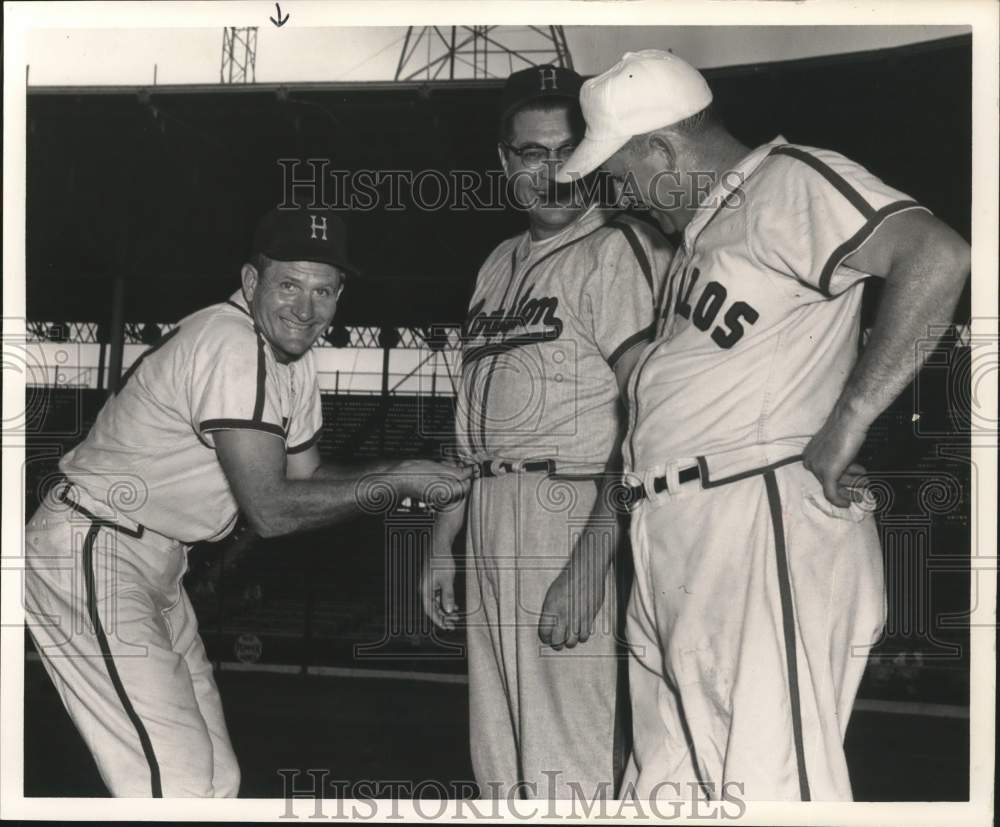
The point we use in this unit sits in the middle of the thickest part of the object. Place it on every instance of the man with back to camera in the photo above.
(557, 318)
(222, 415)
(758, 585)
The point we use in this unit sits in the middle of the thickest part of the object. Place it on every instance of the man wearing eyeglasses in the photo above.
(557, 318)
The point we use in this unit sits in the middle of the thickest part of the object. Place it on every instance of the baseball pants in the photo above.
(117, 634)
(752, 611)
(542, 721)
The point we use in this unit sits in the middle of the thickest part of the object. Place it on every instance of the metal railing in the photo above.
(435, 337)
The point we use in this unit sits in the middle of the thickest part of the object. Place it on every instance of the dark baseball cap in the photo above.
(304, 235)
(538, 82)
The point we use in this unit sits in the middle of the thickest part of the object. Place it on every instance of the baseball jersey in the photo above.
(151, 451)
(758, 328)
(547, 323)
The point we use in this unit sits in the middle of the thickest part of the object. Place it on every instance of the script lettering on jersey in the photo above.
(708, 308)
(537, 317)
(529, 320)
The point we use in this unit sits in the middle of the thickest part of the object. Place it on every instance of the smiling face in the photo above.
(292, 302)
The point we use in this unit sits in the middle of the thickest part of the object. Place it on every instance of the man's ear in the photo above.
(503, 158)
(250, 279)
(661, 144)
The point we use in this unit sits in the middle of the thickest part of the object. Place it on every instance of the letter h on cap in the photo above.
(546, 75)
(314, 226)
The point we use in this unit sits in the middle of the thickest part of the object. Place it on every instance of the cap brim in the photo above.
(347, 269)
(589, 155)
(340, 264)
(537, 96)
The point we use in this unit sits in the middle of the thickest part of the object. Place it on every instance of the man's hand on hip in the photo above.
(830, 456)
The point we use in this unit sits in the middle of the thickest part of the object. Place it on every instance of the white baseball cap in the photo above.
(643, 91)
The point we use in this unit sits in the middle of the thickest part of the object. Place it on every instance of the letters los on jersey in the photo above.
(713, 304)
(758, 327)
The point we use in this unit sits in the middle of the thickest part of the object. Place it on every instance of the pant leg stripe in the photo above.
(622, 719)
(788, 622)
(102, 641)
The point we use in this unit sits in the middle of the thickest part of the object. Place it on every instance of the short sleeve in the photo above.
(622, 291)
(228, 383)
(306, 424)
(813, 210)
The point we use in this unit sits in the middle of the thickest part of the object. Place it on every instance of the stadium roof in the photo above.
(163, 184)
(276, 88)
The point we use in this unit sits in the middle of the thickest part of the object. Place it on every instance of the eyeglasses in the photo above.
(534, 155)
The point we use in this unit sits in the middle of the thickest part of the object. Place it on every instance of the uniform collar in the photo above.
(580, 225)
(240, 303)
(236, 300)
(724, 187)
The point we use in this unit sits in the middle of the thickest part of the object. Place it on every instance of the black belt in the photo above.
(636, 493)
(632, 493)
(494, 468)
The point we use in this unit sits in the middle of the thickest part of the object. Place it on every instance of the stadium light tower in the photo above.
(479, 52)
(239, 55)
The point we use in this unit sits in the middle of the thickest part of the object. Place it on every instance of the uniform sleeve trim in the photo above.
(240, 425)
(305, 446)
(834, 178)
(860, 237)
(258, 405)
(637, 250)
(646, 334)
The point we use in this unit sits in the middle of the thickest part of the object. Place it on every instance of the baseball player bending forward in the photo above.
(759, 584)
(557, 318)
(222, 414)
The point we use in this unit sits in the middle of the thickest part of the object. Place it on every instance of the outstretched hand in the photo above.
(438, 484)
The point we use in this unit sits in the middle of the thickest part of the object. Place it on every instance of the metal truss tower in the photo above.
(239, 55)
(479, 52)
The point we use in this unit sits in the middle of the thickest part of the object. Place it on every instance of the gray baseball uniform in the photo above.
(547, 323)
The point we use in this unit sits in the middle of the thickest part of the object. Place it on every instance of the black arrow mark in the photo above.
(281, 21)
